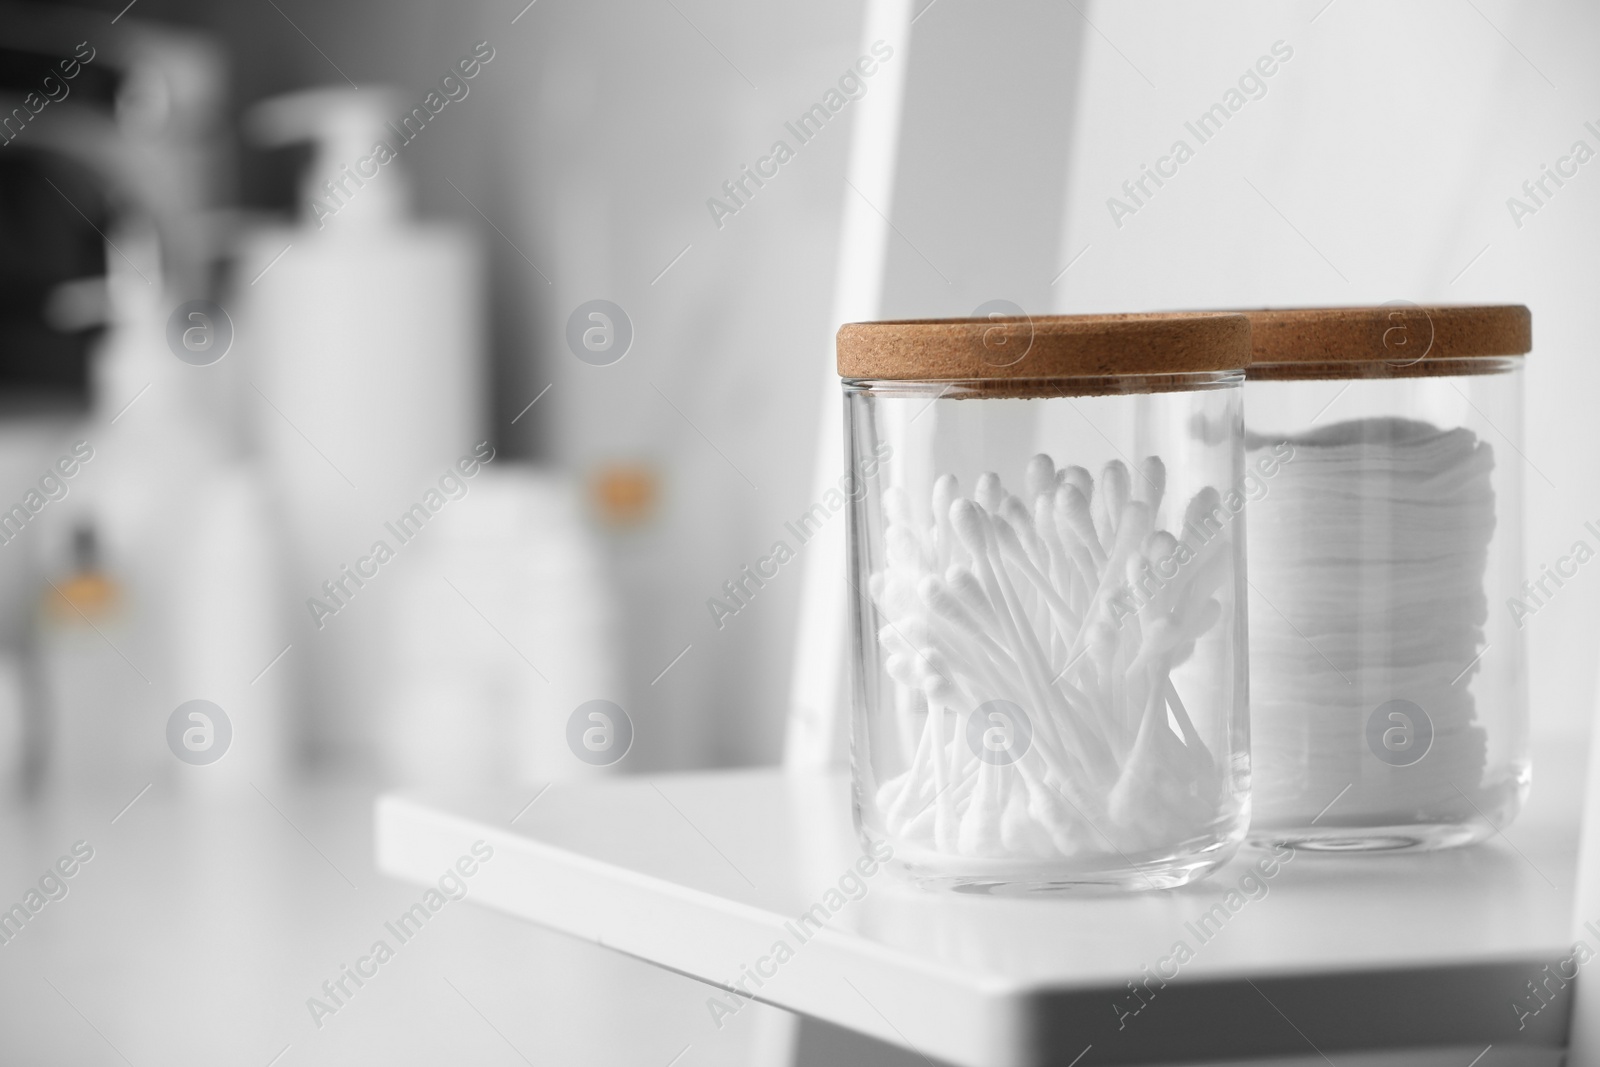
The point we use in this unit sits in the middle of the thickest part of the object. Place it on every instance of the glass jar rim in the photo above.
(1045, 388)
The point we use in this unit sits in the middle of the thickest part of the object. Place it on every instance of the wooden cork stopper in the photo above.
(1045, 350)
(1391, 341)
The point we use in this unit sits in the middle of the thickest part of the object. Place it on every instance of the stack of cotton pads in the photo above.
(1366, 561)
(1033, 622)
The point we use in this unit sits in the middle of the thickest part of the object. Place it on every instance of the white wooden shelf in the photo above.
(704, 874)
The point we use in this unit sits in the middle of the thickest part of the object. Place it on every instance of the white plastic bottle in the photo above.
(506, 625)
(362, 331)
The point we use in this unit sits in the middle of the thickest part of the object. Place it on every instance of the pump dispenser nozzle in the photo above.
(354, 172)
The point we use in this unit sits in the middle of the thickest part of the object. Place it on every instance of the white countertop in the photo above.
(201, 927)
(704, 873)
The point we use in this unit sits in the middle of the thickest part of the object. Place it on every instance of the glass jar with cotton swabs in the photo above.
(1048, 609)
(1387, 602)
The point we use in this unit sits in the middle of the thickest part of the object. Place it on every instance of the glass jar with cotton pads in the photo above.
(1046, 553)
(1387, 684)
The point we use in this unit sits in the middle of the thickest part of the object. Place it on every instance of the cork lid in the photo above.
(1044, 347)
(1399, 340)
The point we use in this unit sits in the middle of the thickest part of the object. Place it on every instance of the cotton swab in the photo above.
(1069, 607)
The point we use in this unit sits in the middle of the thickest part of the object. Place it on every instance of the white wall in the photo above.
(614, 128)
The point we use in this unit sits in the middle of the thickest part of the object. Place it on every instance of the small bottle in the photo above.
(93, 695)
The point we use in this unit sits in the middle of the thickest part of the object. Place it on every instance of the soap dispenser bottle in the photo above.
(362, 332)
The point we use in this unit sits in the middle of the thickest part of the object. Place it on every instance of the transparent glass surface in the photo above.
(1049, 629)
(1387, 684)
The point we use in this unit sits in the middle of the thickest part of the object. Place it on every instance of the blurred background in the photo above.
(396, 379)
